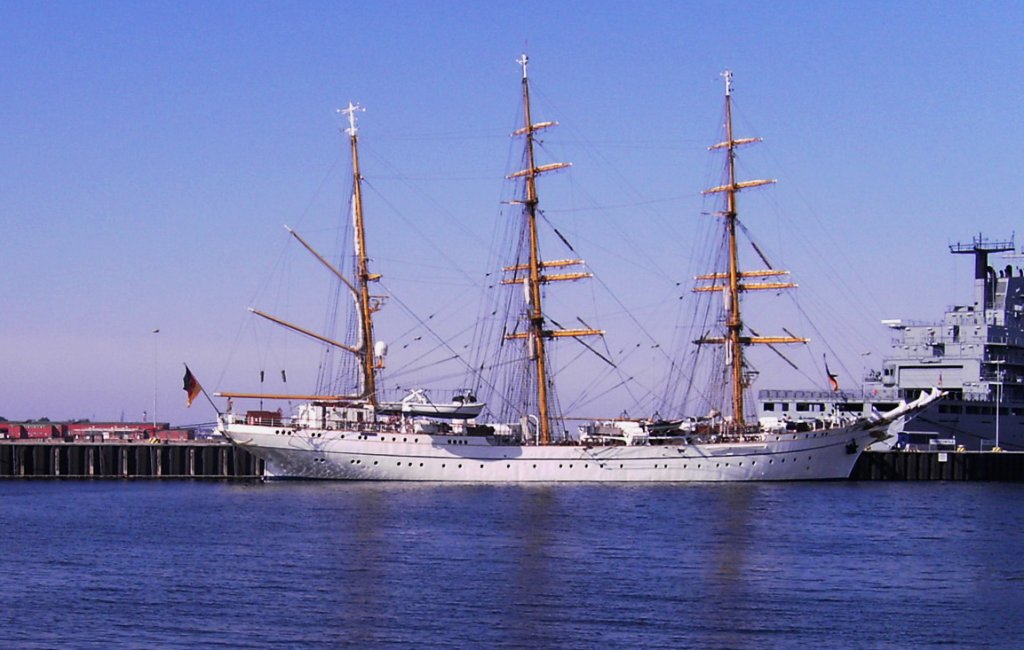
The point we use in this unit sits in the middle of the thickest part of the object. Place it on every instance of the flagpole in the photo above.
(209, 399)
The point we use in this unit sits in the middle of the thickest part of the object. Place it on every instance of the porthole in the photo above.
(374, 462)
(509, 466)
(460, 465)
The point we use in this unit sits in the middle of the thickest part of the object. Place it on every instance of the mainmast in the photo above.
(363, 275)
(734, 340)
(536, 332)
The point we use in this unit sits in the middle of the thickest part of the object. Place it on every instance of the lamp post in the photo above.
(999, 397)
(863, 371)
(156, 373)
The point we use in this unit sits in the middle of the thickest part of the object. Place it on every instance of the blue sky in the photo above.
(152, 151)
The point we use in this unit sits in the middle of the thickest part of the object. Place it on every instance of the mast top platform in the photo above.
(980, 247)
(981, 244)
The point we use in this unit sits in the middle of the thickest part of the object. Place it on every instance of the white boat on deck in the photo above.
(463, 406)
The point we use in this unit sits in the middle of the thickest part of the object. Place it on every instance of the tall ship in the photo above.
(975, 354)
(358, 436)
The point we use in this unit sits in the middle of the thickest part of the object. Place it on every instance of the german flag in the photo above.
(833, 380)
(191, 386)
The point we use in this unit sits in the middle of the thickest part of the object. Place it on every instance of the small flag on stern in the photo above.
(191, 386)
(833, 380)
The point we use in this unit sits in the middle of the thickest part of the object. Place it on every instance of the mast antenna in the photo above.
(350, 113)
(523, 60)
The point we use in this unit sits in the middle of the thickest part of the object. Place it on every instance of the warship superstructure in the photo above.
(975, 355)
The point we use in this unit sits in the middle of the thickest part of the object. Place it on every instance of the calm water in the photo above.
(201, 565)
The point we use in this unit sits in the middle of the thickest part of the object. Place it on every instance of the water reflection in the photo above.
(391, 565)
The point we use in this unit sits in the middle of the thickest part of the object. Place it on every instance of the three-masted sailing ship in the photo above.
(359, 437)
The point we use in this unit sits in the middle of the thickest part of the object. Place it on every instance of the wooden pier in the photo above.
(126, 460)
(939, 466)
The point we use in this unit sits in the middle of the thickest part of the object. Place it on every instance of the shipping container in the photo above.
(40, 430)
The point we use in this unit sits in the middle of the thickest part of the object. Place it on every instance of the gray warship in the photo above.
(975, 354)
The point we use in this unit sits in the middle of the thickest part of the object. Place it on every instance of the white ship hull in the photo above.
(361, 455)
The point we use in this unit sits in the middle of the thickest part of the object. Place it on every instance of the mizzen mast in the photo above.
(734, 340)
(365, 303)
(533, 271)
(363, 275)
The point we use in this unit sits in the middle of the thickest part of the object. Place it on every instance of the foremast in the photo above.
(734, 338)
(537, 332)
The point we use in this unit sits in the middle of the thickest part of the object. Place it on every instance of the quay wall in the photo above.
(939, 466)
(214, 460)
(192, 460)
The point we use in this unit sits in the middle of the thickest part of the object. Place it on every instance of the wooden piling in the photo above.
(126, 460)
